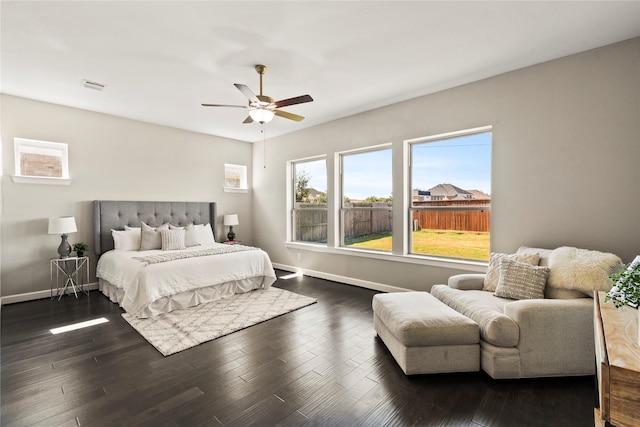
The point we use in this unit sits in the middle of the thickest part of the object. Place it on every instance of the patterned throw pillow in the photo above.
(519, 280)
(190, 234)
(493, 270)
(172, 240)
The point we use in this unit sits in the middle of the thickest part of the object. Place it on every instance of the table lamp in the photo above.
(231, 220)
(63, 225)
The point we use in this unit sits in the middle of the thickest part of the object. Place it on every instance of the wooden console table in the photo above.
(618, 364)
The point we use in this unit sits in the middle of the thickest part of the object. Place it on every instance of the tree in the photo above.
(376, 199)
(322, 197)
(302, 191)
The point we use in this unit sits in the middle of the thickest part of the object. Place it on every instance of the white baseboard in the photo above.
(342, 279)
(30, 296)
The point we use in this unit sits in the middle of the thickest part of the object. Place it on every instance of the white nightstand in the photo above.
(70, 273)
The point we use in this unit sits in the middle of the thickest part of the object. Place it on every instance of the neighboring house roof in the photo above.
(479, 195)
(450, 191)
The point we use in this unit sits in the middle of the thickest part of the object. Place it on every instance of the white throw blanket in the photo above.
(582, 269)
(175, 255)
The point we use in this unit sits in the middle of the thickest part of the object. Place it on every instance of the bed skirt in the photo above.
(185, 299)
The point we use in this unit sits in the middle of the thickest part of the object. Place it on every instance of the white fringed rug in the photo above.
(179, 330)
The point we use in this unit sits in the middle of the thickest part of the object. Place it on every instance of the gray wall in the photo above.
(565, 162)
(109, 158)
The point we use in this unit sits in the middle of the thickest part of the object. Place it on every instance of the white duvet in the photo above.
(143, 284)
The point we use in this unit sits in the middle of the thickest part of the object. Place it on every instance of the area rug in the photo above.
(179, 330)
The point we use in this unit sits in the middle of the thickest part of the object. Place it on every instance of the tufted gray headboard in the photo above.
(111, 214)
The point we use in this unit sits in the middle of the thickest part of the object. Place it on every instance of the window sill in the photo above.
(40, 180)
(471, 266)
(236, 190)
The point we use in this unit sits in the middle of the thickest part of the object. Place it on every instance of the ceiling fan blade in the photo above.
(292, 101)
(247, 92)
(248, 120)
(224, 105)
(287, 115)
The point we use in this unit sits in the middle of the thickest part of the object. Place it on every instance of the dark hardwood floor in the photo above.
(320, 365)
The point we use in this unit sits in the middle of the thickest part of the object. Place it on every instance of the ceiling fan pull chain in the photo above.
(264, 146)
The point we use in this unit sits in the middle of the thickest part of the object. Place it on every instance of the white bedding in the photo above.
(141, 285)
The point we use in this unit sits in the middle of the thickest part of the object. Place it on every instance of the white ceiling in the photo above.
(160, 60)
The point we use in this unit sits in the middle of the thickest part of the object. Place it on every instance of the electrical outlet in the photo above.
(299, 256)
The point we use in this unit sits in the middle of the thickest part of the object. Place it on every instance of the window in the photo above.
(451, 195)
(40, 161)
(309, 214)
(366, 213)
(235, 178)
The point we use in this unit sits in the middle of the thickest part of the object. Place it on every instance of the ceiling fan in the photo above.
(263, 108)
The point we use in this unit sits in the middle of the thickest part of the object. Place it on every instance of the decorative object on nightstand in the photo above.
(63, 226)
(80, 247)
(231, 220)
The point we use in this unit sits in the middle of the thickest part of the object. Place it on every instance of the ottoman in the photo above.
(424, 335)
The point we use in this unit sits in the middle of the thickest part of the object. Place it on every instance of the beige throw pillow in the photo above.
(493, 270)
(150, 237)
(519, 280)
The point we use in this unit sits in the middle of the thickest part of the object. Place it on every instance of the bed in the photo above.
(149, 282)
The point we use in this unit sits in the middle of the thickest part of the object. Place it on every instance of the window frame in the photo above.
(234, 170)
(19, 146)
(341, 209)
(408, 145)
(291, 203)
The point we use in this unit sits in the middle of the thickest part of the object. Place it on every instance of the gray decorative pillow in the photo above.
(172, 240)
(493, 270)
(150, 237)
(519, 280)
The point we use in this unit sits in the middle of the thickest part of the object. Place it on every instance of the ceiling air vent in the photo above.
(93, 85)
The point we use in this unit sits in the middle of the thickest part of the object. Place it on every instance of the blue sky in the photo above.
(463, 161)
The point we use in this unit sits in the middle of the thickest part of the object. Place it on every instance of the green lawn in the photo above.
(453, 244)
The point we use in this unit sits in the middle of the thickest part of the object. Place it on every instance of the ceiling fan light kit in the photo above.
(262, 108)
(262, 115)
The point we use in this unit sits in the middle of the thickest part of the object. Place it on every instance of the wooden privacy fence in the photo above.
(310, 219)
(359, 222)
(467, 220)
(472, 215)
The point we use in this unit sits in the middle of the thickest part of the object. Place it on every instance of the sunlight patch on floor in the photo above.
(79, 325)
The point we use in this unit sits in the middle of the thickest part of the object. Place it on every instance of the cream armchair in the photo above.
(545, 337)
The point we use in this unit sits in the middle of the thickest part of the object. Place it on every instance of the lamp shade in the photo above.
(62, 225)
(231, 219)
(261, 115)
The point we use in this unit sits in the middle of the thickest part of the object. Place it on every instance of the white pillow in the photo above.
(191, 235)
(127, 228)
(125, 240)
(172, 240)
(151, 238)
(204, 233)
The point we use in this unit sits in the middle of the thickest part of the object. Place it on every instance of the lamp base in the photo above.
(231, 235)
(65, 248)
